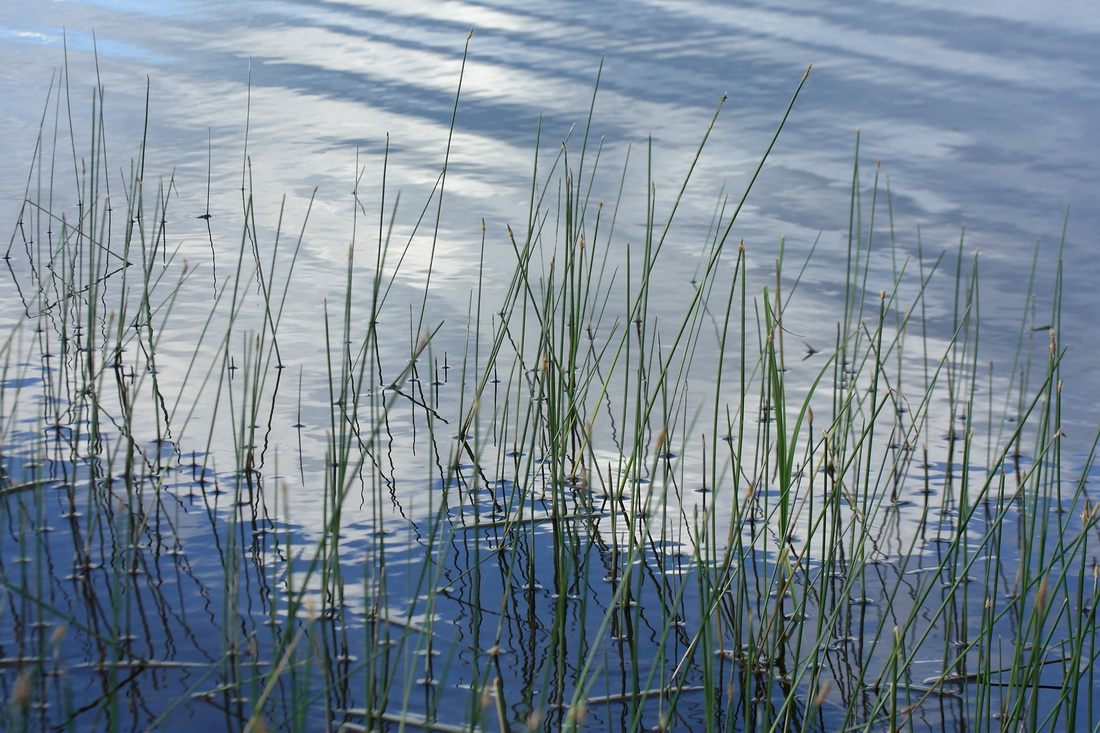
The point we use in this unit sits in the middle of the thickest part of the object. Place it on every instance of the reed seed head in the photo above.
(486, 698)
(22, 691)
(1042, 598)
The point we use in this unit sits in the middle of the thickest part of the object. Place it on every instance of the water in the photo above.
(980, 115)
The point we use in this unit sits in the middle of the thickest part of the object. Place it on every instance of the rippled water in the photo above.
(981, 113)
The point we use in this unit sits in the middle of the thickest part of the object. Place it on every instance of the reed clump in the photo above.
(580, 503)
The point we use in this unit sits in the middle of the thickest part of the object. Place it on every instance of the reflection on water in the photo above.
(980, 114)
(237, 495)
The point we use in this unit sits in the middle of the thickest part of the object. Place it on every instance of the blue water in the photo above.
(981, 113)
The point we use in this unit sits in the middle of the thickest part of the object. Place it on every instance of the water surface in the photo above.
(980, 113)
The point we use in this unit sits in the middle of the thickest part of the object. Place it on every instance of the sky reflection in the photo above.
(982, 114)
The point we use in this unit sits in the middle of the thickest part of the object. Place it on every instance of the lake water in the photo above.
(982, 114)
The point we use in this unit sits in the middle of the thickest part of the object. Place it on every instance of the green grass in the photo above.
(594, 499)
